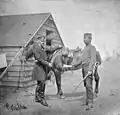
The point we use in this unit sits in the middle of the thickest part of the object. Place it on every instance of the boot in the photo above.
(59, 93)
(39, 96)
(43, 101)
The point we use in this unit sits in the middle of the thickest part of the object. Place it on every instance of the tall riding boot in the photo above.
(43, 102)
(39, 94)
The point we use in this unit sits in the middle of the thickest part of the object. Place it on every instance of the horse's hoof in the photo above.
(62, 97)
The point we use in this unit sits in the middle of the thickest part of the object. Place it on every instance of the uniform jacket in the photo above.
(89, 57)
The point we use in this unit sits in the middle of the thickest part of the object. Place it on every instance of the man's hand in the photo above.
(50, 64)
(73, 67)
(89, 72)
(60, 46)
(42, 45)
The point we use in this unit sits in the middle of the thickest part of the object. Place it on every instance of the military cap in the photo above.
(89, 35)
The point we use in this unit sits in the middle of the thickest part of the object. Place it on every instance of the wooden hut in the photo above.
(15, 31)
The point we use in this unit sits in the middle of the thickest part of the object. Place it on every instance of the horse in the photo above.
(58, 60)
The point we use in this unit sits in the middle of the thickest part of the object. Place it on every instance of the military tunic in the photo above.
(39, 71)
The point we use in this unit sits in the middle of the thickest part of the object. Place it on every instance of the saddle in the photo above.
(56, 53)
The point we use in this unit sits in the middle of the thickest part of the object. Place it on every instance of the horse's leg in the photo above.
(96, 75)
(58, 82)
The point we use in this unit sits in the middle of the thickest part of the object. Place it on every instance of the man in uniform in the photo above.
(41, 64)
(88, 61)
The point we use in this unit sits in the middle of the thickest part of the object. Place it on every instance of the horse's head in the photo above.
(74, 57)
(65, 53)
(70, 57)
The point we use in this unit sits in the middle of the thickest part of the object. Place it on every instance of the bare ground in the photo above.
(108, 102)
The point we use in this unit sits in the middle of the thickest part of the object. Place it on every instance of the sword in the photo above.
(96, 64)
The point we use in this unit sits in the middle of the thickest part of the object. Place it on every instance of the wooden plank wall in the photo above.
(17, 72)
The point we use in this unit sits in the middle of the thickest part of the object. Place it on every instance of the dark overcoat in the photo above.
(39, 70)
(41, 67)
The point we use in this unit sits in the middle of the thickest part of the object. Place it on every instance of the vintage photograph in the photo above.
(59, 57)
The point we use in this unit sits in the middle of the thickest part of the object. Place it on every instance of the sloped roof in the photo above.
(15, 30)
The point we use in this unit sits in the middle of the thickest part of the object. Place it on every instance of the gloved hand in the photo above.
(50, 64)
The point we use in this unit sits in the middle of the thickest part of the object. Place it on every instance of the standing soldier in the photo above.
(41, 64)
(88, 61)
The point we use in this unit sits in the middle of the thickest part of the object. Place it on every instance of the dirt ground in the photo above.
(108, 102)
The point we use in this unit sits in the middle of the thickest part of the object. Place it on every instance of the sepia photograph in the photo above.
(59, 57)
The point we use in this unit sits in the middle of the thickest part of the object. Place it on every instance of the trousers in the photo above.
(88, 84)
